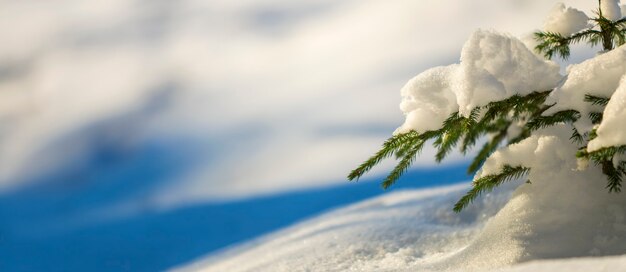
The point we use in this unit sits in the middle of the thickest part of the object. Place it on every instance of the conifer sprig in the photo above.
(595, 117)
(603, 31)
(576, 137)
(489, 182)
(565, 116)
(605, 157)
(497, 118)
(597, 100)
(393, 144)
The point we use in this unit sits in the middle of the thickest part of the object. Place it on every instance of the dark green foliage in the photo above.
(406, 160)
(566, 116)
(603, 31)
(393, 144)
(453, 129)
(604, 157)
(577, 137)
(496, 119)
(595, 117)
(489, 182)
(597, 100)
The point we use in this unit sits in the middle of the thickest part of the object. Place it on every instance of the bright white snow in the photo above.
(565, 20)
(428, 99)
(417, 231)
(611, 9)
(493, 66)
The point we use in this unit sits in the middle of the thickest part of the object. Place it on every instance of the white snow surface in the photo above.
(611, 9)
(493, 66)
(415, 230)
(565, 20)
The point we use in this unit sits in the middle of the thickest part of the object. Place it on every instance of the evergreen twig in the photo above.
(489, 182)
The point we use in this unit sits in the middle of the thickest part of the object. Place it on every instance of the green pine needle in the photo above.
(597, 100)
(393, 144)
(488, 183)
(566, 116)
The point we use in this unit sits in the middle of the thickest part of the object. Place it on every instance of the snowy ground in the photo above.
(412, 230)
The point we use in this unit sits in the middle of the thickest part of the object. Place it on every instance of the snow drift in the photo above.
(417, 231)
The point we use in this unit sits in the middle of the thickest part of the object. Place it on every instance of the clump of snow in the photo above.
(611, 131)
(529, 40)
(598, 76)
(428, 99)
(565, 20)
(493, 67)
(611, 9)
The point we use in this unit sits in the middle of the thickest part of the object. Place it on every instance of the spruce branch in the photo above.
(408, 158)
(486, 151)
(565, 116)
(614, 176)
(489, 182)
(597, 100)
(604, 158)
(603, 31)
(552, 44)
(403, 165)
(474, 129)
(577, 137)
(595, 117)
(452, 131)
(397, 142)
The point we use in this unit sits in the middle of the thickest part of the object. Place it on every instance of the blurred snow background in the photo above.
(266, 95)
(157, 105)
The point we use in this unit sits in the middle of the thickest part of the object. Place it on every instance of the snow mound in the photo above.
(417, 231)
(565, 20)
(401, 230)
(493, 66)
